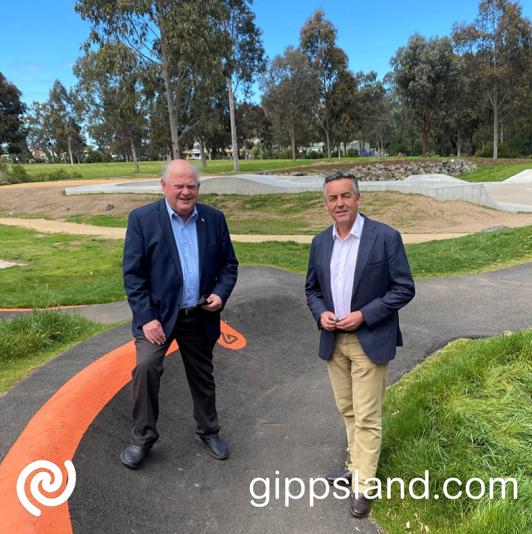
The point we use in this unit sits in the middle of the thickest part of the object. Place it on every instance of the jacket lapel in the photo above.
(367, 240)
(166, 225)
(327, 254)
(200, 229)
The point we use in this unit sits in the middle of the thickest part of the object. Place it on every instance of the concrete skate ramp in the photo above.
(438, 186)
(524, 177)
(276, 409)
(241, 184)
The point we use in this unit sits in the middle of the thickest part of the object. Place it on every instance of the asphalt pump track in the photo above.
(275, 405)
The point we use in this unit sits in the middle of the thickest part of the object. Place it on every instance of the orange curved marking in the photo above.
(55, 432)
(230, 338)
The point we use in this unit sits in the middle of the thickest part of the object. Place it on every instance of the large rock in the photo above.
(380, 172)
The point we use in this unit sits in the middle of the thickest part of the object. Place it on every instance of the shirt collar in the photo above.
(356, 229)
(171, 213)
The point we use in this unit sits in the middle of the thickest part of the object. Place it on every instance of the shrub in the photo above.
(17, 174)
(504, 151)
(93, 156)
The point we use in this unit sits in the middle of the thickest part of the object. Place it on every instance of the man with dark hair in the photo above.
(358, 278)
(179, 270)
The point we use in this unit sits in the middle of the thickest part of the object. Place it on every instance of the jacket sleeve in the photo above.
(313, 290)
(401, 290)
(227, 265)
(135, 274)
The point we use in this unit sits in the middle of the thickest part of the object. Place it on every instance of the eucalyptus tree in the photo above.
(291, 92)
(244, 59)
(346, 109)
(498, 44)
(256, 124)
(12, 109)
(110, 92)
(62, 122)
(180, 39)
(427, 77)
(318, 42)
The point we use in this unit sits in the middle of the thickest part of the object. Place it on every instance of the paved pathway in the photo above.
(276, 408)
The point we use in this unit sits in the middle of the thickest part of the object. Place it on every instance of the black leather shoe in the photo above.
(215, 447)
(133, 456)
(360, 506)
(342, 474)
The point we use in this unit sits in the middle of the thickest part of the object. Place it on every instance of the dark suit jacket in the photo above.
(383, 284)
(153, 278)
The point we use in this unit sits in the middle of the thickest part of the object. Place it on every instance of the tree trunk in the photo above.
(424, 133)
(458, 145)
(234, 143)
(345, 149)
(260, 147)
(329, 155)
(134, 154)
(70, 151)
(202, 154)
(495, 124)
(167, 82)
(293, 140)
(339, 154)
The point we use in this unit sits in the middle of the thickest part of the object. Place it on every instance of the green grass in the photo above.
(113, 221)
(90, 171)
(64, 269)
(70, 270)
(495, 174)
(471, 254)
(464, 413)
(28, 341)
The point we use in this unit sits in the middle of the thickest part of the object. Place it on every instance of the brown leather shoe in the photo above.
(346, 475)
(360, 506)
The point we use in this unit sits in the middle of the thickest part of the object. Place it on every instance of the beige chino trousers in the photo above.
(359, 386)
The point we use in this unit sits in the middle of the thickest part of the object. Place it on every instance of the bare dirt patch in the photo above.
(51, 202)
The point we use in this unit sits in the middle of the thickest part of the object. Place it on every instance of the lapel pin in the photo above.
(202, 219)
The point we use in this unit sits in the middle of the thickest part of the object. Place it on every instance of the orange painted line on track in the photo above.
(55, 431)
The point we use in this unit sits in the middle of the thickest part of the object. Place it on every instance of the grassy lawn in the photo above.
(496, 174)
(64, 269)
(69, 270)
(28, 341)
(153, 169)
(113, 221)
(464, 413)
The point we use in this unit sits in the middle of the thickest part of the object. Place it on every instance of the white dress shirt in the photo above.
(343, 261)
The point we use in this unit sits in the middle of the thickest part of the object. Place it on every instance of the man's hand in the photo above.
(328, 321)
(351, 321)
(215, 303)
(153, 332)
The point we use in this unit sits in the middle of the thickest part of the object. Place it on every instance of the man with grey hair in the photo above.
(358, 278)
(179, 270)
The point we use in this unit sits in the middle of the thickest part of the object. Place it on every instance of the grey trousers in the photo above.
(196, 350)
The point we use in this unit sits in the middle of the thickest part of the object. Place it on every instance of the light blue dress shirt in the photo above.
(186, 239)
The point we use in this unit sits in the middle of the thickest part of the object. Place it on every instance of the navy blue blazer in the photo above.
(382, 285)
(153, 278)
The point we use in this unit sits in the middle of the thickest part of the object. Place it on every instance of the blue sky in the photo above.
(40, 41)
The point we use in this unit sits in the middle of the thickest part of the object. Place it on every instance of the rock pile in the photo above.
(380, 172)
